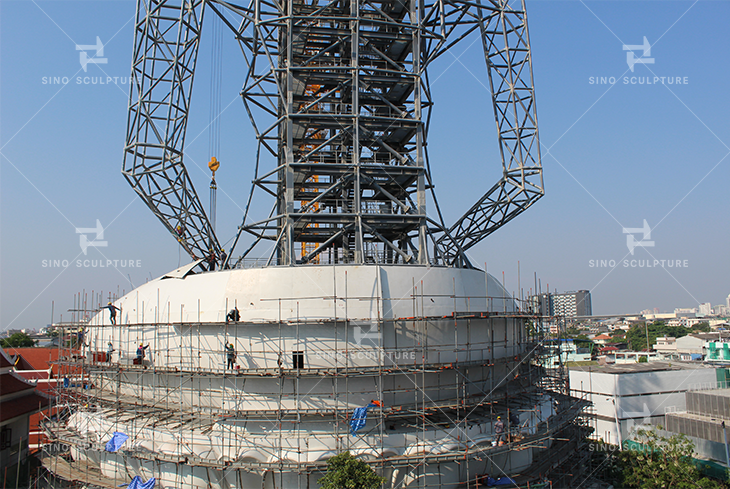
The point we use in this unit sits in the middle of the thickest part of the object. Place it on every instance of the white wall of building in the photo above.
(634, 397)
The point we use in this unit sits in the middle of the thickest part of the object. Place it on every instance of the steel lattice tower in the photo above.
(339, 96)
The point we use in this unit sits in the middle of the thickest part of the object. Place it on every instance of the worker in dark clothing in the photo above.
(499, 429)
(112, 312)
(223, 259)
(211, 262)
(231, 354)
(233, 315)
(140, 353)
(514, 423)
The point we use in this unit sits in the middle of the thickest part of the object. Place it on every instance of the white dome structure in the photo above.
(437, 353)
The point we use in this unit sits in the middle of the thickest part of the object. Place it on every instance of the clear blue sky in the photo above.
(614, 155)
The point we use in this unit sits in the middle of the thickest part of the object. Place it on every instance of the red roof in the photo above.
(48, 386)
(21, 363)
(33, 374)
(11, 383)
(4, 359)
(38, 358)
(608, 348)
(23, 405)
(603, 336)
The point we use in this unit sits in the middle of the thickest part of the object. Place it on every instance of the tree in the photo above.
(572, 331)
(346, 472)
(703, 327)
(663, 463)
(17, 340)
(636, 336)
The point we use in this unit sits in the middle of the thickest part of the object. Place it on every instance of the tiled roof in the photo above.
(4, 359)
(23, 405)
(11, 383)
(38, 358)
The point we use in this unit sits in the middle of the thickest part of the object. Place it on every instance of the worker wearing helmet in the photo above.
(112, 312)
(140, 353)
(499, 429)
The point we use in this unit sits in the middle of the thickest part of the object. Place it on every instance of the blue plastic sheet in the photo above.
(502, 481)
(138, 484)
(118, 439)
(359, 418)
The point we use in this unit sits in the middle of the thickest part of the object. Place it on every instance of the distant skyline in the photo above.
(637, 169)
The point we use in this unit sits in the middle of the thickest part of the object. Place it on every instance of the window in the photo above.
(298, 359)
(5, 436)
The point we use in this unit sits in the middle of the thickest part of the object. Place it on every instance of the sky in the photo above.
(615, 155)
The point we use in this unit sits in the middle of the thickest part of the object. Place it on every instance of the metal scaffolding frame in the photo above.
(339, 97)
(482, 390)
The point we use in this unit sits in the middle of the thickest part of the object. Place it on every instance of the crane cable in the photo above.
(214, 125)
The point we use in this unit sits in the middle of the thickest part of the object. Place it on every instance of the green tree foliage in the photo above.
(571, 331)
(636, 336)
(703, 327)
(662, 463)
(17, 340)
(346, 472)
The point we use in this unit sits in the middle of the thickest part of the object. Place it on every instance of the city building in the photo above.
(566, 304)
(666, 346)
(691, 347)
(685, 312)
(569, 352)
(635, 393)
(572, 304)
(602, 339)
(704, 421)
(705, 309)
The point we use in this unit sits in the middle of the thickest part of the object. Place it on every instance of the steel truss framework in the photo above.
(338, 94)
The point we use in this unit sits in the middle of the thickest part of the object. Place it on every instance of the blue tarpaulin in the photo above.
(138, 484)
(502, 481)
(118, 439)
(360, 417)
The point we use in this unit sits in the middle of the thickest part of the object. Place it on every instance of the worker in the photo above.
(499, 430)
(231, 354)
(223, 259)
(109, 351)
(112, 312)
(140, 353)
(80, 337)
(514, 423)
(233, 315)
(211, 262)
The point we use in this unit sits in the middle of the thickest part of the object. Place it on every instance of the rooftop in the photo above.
(717, 392)
(628, 368)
